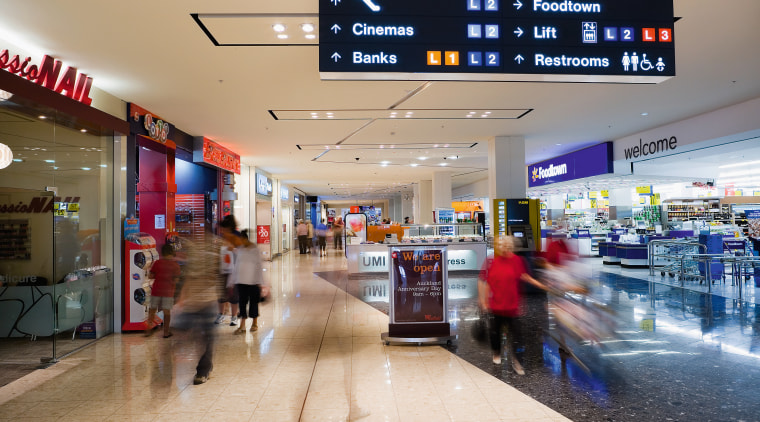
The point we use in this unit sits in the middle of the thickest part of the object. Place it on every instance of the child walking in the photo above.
(165, 273)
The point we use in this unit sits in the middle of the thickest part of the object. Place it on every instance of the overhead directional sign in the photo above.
(504, 40)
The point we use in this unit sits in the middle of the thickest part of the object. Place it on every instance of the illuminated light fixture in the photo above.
(483, 115)
(422, 158)
(282, 36)
(50, 161)
(6, 156)
(310, 36)
(278, 27)
(414, 164)
(487, 112)
(385, 162)
(5, 95)
(435, 146)
(55, 168)
(43, 117)
(469, 115)
(18, 160)
(86, 168)
(307, 27)
(645, 114)
(442, 164)
(452, 157)
(746, 163)
(104, 165)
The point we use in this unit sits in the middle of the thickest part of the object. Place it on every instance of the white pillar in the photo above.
(441, 189)
(507, 173)
(407, 205)
(423, 202)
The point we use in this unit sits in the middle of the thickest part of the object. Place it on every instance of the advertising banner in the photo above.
(418, 284)
(262, 234)
(356, 227)
(753, 219)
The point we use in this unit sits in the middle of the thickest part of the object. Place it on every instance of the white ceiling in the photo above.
(154, 54)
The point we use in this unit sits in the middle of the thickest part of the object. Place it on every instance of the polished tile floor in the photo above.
(316, 356)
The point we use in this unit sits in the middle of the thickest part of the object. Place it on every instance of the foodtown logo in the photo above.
(551, 171)
(48, 74)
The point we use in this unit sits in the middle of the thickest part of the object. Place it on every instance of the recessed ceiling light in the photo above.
(645, 114)
(453, 157)
(282, 36)
(307, 27)
(414, 164)
(17, 160)
(43, 117)
(104, 165)
(385, 162)
(442, 164)
(83, 130)
(422, 158)
(557, 144)
(310, 36)
(278, 27)
(86, 168)
(50, 161)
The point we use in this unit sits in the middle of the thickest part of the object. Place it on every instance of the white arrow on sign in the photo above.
(516, 4)
(518, 32)
(335, 28)
(519, 58)
(335, 2)
(335, 57)
(372, 6)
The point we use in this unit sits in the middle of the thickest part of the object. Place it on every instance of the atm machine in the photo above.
(139, 254)
(519, 217)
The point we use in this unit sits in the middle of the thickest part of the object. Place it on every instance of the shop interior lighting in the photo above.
(6, 156)
(746, 163)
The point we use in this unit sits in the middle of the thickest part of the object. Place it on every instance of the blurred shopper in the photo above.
(499, 294)
(165, 273)
(248, 279)
(322, 237)
(199, 299)
(310, 243)
(338, 233)
(302, 231)
(228, 297)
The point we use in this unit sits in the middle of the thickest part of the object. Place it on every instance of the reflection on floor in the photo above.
(678, 353)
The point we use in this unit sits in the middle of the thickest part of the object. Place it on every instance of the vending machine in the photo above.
(139, 254)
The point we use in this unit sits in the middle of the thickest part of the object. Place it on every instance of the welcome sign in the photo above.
(587, 162)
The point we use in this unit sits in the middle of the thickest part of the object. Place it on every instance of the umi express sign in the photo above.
(48, 74)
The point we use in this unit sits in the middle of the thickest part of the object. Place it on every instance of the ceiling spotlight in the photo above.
(645, 114)
(278, 27)
(310, 36)
(43, 117)
(307, 27)
(442, 164)
(83, 130)
(414, 164)
(282, 36)
(452, 157)
(422, 158)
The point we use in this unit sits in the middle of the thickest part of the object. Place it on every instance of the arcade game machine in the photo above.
(139, 254)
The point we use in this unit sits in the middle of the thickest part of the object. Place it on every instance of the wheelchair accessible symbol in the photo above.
(634, 63)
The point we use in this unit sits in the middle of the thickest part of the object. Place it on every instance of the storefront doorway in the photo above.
(56, 236)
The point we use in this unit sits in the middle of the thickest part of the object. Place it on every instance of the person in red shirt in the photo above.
(165, 273)
(499, 294)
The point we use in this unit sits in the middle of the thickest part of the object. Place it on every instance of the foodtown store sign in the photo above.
(48, 74)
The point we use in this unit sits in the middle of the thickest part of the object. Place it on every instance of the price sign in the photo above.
(518, 40)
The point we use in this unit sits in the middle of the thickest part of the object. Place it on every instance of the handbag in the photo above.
(264, 296)
(479, 329)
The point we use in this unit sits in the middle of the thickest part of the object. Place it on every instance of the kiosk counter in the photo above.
(369, 258)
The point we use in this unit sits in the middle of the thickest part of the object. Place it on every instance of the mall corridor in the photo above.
(317, 356)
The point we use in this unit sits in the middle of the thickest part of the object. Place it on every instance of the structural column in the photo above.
(423, 202)
(442, 189)
(507, 173)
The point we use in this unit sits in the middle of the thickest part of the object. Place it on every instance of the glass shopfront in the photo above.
(56, 233)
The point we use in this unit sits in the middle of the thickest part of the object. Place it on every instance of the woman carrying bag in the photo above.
(499, 294)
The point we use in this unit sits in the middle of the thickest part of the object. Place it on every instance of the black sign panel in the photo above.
(606, 40)
(418, 285)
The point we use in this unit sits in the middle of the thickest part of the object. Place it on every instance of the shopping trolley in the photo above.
(577, 315)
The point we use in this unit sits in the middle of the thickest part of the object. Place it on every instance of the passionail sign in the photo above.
(48, 74)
